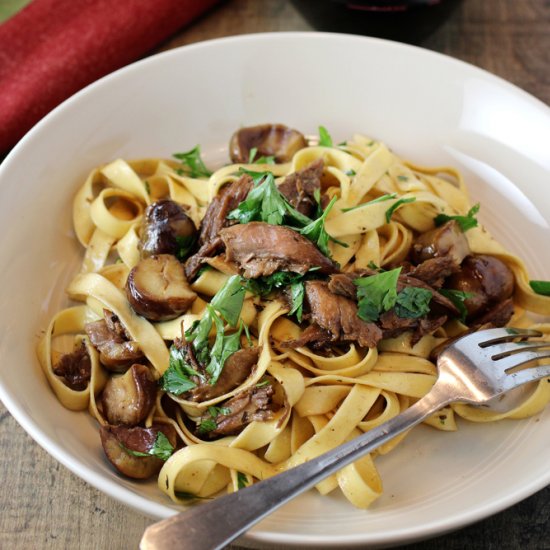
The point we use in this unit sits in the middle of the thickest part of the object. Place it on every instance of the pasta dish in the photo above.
(230, 325)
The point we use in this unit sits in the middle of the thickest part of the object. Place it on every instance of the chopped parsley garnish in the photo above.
(210, 424)
(242, 480)
(184, 244)
(382, 198)
(315, 231)
(192, 164)
(297, 293)
(396, 205)
(466, 222)
(162, 448)
(413, 302)
(540, 287)
(457, 297)
(265, 203)
(260, 160)
(378, 293)
(350, 173)
(324, 137)
(372, 265)
(228, 302)
(263, 383)
(403, 178)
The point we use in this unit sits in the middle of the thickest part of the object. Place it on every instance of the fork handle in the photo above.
(215, 524)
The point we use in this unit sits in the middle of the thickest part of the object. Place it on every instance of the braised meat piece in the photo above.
(487, 278)
(299, 188)
(215, 219)
(337, 316)
(434, 271)
(392, 325)
(498, 315)
(75, 368)
(116, 350)
(253, 404)
(269, 140)
(447, 240)
(236, 370)
(167, 229)
(121, 442)
(260, 249)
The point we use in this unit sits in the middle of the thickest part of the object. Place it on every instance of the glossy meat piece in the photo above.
(166, 229)
(434, 271)
(260, 249)
(75, 368)
(270, 140)
(299, 188)
(392, 325)
(253, 404)
(498, 315)
(338, 316)
(236, 370)
(446, 240)
(489, 280)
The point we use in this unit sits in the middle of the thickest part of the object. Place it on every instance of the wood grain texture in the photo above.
(43, 505)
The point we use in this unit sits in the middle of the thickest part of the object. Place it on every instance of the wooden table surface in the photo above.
(43, 505)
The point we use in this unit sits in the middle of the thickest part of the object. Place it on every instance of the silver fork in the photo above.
(474, 369)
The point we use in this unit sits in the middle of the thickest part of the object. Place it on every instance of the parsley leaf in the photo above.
(162, 448)
(207, 425)
(382, 198)
(315, 231)
(403, 178)
(297, 293)
(540, 287)
(265, 203)
(184, 246)
(377, 293)
(394, 206)
(457, 297)
(324, 137)
(263, 383)
(466, 222)
(210, 424)
(413, 302)
(228, 301)
(261, 160)
(193, 165)
(242, 480)
(176, 379)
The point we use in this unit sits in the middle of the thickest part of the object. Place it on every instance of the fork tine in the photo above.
(489, 337)
(517, 359)
(508, 348)
(528, 375)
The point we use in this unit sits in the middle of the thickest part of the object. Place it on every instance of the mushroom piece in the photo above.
(447, 240)
(116, 349)
(167, 229)
(269, 140)
(128, 399)
(489, 280)
(125, 447)
(157, 288)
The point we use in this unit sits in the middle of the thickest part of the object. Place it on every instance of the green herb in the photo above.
(372, 265)
(162, 448)
(265, 203)
(376, 294)
(457, 297)
(242, 480)
(350, 173)
(315, 231)
(263, 383)
(214, 411)
(403, 178)
(177, 377)
(413, 302)
(324, 137)
(184, 495)
(147, 187)
(540, 287)
(184, 245)
(297, 293)
(228, 301)
(395, 205)
(382, 198)
(210, 424)
(342, 144)
(207, 425)
(261, 160)
(193, 164)
(262, 286)
(224, 346)
(466, 222)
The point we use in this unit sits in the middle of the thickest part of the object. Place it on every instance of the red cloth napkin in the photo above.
(53, 48)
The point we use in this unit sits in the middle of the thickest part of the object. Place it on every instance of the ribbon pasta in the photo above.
(324, 399)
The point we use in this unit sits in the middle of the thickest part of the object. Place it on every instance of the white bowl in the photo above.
(426, 106)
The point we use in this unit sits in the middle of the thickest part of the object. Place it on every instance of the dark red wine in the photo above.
(403, 20)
